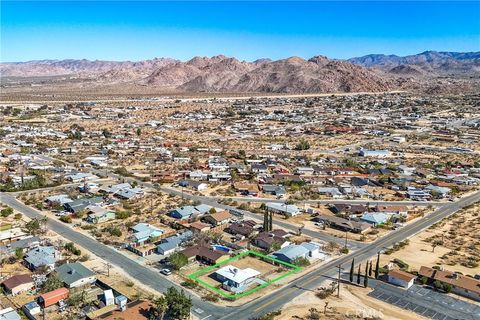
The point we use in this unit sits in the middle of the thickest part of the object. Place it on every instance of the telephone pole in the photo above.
(338, 286)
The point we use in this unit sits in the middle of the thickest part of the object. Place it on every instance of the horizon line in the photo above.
(220, 54)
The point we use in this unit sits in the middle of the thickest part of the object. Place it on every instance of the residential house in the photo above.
(461, 285)
(244, 228)
(17, 284)
(79, 205)
(438, 192)
(42, 256)
(332, 192)
(306, 250)
(259, 168)
(98, 214)
(283, 178)
(362, 182)
(123, 191)
(199, 227)
(353, 191)
(374, 153)
(236, 280)
(60, 199)
(81, 177)
(247, 189)
(198, 175)
(267, 239)
(218, 218)
(193, 184)
(375, 218)
(343, 224)
(416, 194)
(9, 314)
(401, 278)
(12, 235)
(276, 190)
(187, 212)
(381, 172)
(25, 243)
(75, 275)
(205, 254)
(145, 232)
(305, 171)
(219, 176)
(406, 170)
(169, 245)
(288, 210)
(346, 209)
(396, 210)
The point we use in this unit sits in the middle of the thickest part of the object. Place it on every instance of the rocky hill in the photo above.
(291, 75)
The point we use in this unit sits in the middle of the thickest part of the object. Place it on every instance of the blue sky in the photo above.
(247, 30)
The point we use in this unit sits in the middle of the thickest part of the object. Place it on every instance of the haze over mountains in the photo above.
(426, 71)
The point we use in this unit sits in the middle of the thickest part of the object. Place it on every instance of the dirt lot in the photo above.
(457, 244)
(352, 304)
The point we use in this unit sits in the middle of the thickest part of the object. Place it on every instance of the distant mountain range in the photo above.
(432, 62)
(374, 72)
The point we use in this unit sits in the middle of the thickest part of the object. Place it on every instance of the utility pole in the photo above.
(346, 238)
(338, 286)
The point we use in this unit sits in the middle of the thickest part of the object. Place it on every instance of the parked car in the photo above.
(166, 272)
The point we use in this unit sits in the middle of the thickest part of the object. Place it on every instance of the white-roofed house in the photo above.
(289, 210)
(237, 280)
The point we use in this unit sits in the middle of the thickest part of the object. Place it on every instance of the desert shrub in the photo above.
(401, 264)
(212, 297)
(6, 212)
(189, 283)
(66, 219)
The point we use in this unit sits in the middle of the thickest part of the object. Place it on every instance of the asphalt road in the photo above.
(337, 201)
(138, 272)
(267, 303)
(311, 281)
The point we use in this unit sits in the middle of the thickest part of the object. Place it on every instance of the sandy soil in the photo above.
(460, 241)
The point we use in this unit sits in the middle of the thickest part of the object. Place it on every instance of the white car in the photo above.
(166, 272)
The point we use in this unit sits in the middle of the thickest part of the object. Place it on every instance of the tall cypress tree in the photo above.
(358, 274)
(365, 279)
(377, 268)
(265, 221)
(351, 270)
(370, 269)
(271, 222)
